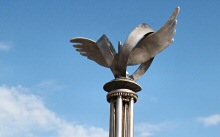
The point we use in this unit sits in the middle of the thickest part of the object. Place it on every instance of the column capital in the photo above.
(126, 95)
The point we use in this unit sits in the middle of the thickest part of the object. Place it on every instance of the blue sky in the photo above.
(48, 90)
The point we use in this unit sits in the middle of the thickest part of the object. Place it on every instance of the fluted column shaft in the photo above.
(121, 112)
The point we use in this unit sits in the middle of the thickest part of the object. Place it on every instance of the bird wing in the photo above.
(107, 50)
(150, 45)
(124, 53)
(90, 49)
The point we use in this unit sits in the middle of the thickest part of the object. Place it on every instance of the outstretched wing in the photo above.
(90, 49)
(154, 43)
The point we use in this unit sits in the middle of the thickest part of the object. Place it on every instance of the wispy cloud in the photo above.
(50, 85)
(211, 120)
(5, 46)
(148, 130)
(24, 114)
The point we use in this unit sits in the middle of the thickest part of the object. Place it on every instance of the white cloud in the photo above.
(50, 85)
(25, 115)
(145, 130)
(4, 47)
(148, 130)
(211, 120)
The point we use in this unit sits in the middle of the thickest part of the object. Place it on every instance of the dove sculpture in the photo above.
(141, 46)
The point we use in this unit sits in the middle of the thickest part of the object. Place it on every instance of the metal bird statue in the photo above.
(141, 46)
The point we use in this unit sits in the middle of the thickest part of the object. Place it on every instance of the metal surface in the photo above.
(118, 117)
(125, 120)
(106, 49)
(122, 83)
(112, 120)
(137, 34)
(131, 116)
(140, 48)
